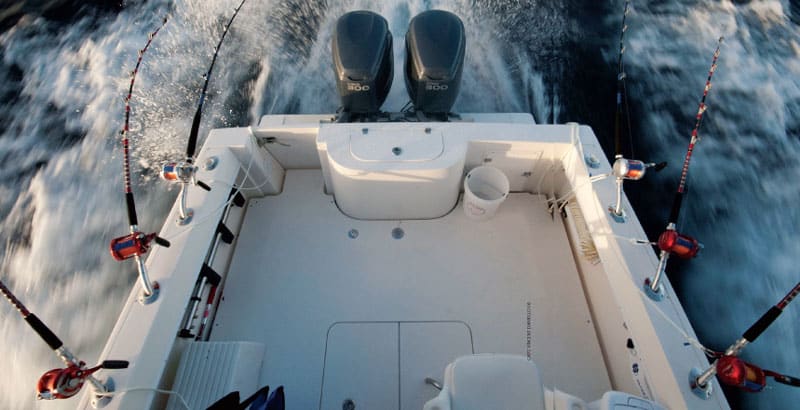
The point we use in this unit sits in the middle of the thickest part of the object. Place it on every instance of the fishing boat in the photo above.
(422, 259)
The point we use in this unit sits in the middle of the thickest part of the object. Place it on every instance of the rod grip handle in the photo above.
(131, 205)
(676, 208)
(115, 364)
(194, 130)
(762, 324)
(47, 335)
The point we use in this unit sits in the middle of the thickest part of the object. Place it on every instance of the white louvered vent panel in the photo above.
(209, 370)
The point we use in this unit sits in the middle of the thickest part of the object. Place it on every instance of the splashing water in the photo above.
(742, 201)
(62, 104)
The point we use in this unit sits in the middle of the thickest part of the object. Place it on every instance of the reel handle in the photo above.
(114, 364)
(161, 241)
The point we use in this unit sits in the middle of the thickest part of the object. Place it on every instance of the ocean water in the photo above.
(65, 69)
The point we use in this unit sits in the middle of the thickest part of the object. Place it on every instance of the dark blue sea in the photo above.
(64, 73)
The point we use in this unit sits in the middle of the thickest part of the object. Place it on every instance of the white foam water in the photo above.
(60, 164)
(742, 201)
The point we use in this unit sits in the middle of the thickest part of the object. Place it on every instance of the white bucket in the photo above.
(485, 188)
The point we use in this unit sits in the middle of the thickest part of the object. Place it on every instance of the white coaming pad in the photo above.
(301, 267)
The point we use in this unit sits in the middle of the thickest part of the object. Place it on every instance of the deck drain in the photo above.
(353, 234)
(348, 404)
(397, 233)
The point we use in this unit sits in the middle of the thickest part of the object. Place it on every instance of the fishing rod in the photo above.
(620, 81)
(737, 372)
(624, 169)
(66, 382)
(135, 244)
(184, 172)
(671, 242)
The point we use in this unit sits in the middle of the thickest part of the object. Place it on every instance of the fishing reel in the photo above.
(633, 169)
(628, 169)
(67, 382)
(670, 242)
(183, 172)
(134, 244)
(737, 373)
(682, 246)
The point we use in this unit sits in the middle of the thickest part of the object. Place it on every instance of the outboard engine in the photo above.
(435, 46)
(363, 61)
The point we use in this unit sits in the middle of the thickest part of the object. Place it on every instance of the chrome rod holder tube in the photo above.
(149, 289)
(653, 287)
(185, 213)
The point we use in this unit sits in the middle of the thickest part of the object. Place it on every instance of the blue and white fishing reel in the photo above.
(183, 172)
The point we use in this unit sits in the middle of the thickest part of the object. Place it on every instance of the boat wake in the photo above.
(61, 196)
(740, 204)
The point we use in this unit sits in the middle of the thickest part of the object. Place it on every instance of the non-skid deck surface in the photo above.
(347, 311)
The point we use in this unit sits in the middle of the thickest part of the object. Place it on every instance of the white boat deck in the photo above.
(368, 318)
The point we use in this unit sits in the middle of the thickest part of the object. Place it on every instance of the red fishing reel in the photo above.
(67, 382)
(683, 246)
(736, 372)
(62, 383)
(135, 244)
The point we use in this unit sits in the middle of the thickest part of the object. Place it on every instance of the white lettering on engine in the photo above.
(357, 87)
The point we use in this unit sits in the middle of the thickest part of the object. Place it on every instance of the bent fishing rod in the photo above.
(135, 244)
(671, 242)
(623, 168)
(736, 372)
(184, 172)
(62, 383)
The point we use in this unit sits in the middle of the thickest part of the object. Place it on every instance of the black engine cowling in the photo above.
(435, 47)
(363, 61)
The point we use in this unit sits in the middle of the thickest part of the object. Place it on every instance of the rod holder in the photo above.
(185, 172)
(100, 390)
(630, 169)
(149, 289)
(702, 389)
(702, 379)
(185, 214)
(653, 287)
(616, 211)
